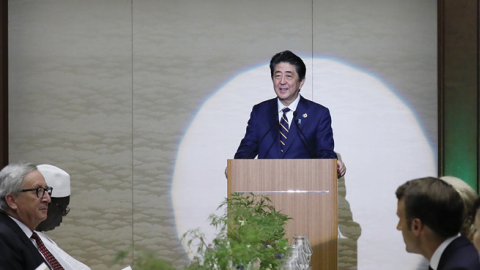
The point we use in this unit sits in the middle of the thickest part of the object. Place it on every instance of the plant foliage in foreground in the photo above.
(251, 232)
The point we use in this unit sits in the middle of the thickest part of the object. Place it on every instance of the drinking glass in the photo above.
(289, 261)
(303, 245)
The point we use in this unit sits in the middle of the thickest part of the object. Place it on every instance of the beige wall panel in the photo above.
(107, 90)
(70, 104)
(183, 52)
(396, 43)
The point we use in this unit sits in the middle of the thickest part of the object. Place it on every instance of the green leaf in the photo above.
(249, 229)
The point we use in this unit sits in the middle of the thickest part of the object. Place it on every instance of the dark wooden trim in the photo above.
(441, 86)
(478, 96)
(458, 89)
(3, 83)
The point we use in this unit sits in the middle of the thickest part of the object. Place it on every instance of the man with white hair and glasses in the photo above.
(24, 199)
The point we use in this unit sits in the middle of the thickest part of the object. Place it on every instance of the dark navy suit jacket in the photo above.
(310, 134)
(17, 252)
(460, 254)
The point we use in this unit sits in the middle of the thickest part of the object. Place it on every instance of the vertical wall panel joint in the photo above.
(3, 83)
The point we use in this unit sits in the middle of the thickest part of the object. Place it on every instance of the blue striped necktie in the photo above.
(284, 127)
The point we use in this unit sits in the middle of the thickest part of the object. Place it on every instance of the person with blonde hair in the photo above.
(476, 224)
(469, 196)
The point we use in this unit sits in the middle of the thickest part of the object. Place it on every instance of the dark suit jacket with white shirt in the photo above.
(460, 254)
(17, 252)
(310, 134)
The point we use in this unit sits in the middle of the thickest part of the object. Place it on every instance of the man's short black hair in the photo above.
(436, 203)
(292, 59)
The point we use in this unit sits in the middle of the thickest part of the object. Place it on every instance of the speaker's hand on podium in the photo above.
(341, 169)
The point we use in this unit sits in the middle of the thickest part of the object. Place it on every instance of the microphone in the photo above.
(303, 138)
(275, 123)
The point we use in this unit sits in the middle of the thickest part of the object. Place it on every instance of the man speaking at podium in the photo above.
(289, 126)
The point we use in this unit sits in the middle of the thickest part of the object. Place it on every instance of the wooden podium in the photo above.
(304, 189)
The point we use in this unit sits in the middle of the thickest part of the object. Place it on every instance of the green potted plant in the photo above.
(250, 236)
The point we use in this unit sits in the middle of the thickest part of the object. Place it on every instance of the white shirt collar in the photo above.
(292, 106)
(435, 260)
(22, 226)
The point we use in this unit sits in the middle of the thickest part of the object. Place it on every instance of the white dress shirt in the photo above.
(22, 226)
(292, 107)
(67, 261)
(29, 234)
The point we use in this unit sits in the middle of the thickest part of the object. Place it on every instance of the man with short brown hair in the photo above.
(430, 215)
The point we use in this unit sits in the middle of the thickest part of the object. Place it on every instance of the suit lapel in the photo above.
(272, 140)
(27, 242)
(455, 245)
(302, 112)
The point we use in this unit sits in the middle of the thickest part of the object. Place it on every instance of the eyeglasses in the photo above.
(65, 209)
(40, 191)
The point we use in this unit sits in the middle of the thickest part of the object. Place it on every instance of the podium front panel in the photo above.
(304, 189)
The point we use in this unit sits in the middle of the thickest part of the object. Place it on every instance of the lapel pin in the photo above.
(304, 115)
